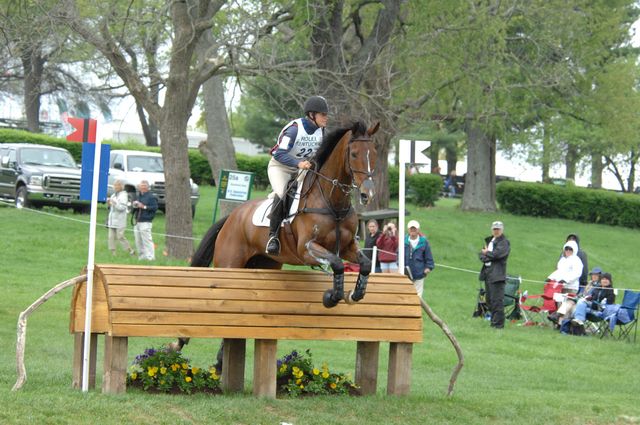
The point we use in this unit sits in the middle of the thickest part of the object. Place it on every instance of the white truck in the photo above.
(131, 167)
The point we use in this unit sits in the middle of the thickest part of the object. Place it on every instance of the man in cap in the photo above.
(494, 256)
(417, 255)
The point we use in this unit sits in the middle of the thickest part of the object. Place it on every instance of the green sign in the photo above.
(235, 185)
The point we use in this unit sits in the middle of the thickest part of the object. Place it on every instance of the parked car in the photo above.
(131, 167)
(38, 175)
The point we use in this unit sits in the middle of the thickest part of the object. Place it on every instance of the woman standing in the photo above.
(117, 220)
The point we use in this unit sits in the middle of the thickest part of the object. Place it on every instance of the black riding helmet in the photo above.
(316, 104)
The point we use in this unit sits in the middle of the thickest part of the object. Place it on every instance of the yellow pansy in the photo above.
(185, 366)
(333, 386)
(163, 370)
(188, 379)
(325, 374)
(195, 370)
(134, 375)
(316, 371)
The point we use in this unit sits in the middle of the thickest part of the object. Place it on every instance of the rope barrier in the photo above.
(10, 204)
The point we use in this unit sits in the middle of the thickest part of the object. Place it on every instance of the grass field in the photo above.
(529, 375)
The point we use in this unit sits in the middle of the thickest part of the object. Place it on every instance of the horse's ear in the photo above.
(373, 129)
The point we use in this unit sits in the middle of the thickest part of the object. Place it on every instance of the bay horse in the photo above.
(324, 229)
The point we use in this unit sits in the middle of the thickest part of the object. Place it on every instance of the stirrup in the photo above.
(273, 246)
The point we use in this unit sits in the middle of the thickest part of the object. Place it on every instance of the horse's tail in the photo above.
(203, 256)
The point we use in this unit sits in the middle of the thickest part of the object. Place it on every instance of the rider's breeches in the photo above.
(279, 177)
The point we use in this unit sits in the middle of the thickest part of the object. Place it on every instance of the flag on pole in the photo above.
(86, 181)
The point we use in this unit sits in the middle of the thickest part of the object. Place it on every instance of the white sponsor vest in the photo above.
(305, 144)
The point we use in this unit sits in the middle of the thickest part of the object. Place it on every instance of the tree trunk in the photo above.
(32, 65)
(218, 149)
(631, 180)
(173, 132)
(596, 170)
(452, 158)
(434, 156)
(571, 160)
(545, 162)
(480, 181)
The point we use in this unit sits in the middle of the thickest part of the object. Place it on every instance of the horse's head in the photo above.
(362, 157)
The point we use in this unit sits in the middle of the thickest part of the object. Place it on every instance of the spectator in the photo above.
(582, 255)
(568, 306)
(370, 241)
(597, 303)
(118, 204)
(417, 256)
(387, 244)
(450, 184)
(569, 268)
(146, 205)
(494, 271)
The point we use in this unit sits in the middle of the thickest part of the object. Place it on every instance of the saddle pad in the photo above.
(260, 218)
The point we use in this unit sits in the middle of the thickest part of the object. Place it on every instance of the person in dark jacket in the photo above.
(595, 302)
(582, 255)
(370, 241)
(417, 256)
(145, 206)
(494, 271)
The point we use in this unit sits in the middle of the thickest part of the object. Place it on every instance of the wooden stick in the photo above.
(22, 326)
(454, 342)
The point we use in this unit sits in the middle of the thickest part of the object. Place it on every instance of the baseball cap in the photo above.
(497, 225)
(596, 270)
(413, 223)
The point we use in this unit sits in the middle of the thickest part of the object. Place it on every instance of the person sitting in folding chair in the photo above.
(569, 268)
(568, 306)
(600, 303)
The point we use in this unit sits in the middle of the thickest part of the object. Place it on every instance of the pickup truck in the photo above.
(131, 167)
(37, 175)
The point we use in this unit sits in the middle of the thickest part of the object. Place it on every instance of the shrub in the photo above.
(426, 187)
(573, 203)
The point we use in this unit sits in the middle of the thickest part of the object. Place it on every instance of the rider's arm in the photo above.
(285, 144)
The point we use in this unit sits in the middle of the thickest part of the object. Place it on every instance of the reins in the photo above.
(341, 214)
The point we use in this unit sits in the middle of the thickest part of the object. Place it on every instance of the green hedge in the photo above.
(200, 170)
(422, 189)
(573, 203)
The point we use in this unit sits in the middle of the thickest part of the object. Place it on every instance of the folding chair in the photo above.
(626, 318)
(511, 298)
(512, 307)
(540, 305)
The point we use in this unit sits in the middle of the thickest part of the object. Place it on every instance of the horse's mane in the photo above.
(329, 142)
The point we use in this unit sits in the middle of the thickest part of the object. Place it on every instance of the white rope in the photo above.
(76, 220)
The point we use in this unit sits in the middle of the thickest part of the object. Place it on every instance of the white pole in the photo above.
(404, 148)
(374, 258)
(90, 266)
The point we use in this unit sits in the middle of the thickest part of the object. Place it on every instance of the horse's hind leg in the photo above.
(331, 297)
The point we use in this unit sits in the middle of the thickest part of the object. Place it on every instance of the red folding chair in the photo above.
(538, 306)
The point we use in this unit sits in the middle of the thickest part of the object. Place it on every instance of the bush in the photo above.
(200, 170)
(572, 203)
(423, 189)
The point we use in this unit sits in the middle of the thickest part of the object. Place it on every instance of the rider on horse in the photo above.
(297, 142)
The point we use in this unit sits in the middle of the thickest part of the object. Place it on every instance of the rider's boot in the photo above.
(273, 244)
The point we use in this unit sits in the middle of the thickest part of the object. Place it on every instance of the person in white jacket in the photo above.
(117, 220)
(569, 268)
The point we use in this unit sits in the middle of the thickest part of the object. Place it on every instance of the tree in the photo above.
(183, 75)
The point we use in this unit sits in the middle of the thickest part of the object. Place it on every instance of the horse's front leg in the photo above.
(316, 252)
(354, 255)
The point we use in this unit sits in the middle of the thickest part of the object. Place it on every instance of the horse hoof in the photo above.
(327, 299)
(348, 299)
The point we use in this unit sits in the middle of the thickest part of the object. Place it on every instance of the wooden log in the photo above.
(233, 360)
(265, 368)
(399, 377)
(115, 365)
(367, 354)
(78, 364)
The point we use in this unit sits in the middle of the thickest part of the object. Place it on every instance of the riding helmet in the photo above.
(316, 104)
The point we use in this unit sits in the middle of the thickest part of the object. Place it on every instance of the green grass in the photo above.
(518, 375)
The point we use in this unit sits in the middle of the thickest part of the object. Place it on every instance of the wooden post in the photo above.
(367, 366)
(265, 368)
(78, 353)
(399, 378)
(233, 359)
(114, 380)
